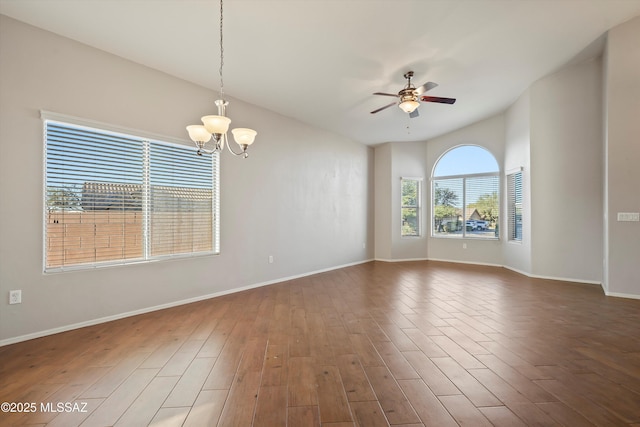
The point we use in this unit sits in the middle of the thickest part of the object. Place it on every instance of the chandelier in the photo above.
(216, 126)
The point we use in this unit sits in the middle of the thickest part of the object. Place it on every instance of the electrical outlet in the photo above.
(629, 216)
(270, 259)
(464, 246)
(15, 297)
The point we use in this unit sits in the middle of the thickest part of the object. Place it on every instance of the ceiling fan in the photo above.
(411, 95)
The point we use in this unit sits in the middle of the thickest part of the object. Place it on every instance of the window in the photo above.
(410, 207)
(466, 194)
(113, 198)
(514, 200)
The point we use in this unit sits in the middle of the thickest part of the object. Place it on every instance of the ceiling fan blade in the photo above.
(385, 94)
(415, 113)
(438, 99)
(425, 87)
(382, 108)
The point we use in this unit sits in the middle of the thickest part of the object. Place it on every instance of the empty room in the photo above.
(319, 213)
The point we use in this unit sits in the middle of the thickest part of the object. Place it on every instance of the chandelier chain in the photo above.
(221, 54)
(216, 126)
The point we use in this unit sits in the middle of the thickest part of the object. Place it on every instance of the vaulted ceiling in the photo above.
(319, 61)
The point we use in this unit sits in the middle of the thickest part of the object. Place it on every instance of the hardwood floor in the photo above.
(403, 344)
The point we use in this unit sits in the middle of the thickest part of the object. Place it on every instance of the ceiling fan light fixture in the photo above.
(409, 98)
(409, 106)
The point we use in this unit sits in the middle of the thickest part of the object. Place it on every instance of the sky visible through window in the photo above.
(466, 160)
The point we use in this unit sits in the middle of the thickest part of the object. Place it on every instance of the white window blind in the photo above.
(514, 200)
(411, 226)
(181, 202)
(115, 198)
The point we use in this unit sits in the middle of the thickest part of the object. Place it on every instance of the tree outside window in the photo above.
(410, 207)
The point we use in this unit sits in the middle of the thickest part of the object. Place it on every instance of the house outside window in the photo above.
(465, 188)
(410, 207)
(113, 198)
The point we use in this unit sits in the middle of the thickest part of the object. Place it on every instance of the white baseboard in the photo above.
(401, 260)
(118, 316)
(560, 279)
(465, 262)
(620, 295)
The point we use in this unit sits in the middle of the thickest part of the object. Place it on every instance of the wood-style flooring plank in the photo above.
(206, 409)
(332, 400)
(426, 404)
(240, 406)
(303, 416)
(464, 412)
(170, 417)
(564, 415)
(145, 407)
(395, 361)
(190, 383)
(368, 414)
(302, 382)
(271, 407)
(437, 381)
(395, 404)
(354, 380)
(533, 392)
(116, 376)
(119, 401)
(501, 416)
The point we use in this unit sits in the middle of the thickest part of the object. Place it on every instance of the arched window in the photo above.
(465, 189)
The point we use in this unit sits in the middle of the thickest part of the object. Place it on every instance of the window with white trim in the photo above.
(113, 198)
(410, 206)
(514, 201)
(465, 189)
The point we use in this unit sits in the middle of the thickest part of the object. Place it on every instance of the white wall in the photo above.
(517, 254)
(304, 195)
(490, 134)
(566, 174)
(393, 161)
(622, 142)
(383, 202)
(408, 160)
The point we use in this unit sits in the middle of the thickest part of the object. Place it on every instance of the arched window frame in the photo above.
(466, 205)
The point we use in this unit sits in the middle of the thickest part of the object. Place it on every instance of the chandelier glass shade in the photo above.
(216, 124)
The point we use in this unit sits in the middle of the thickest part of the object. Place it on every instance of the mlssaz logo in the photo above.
(63, 407)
